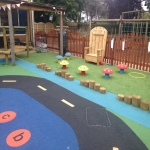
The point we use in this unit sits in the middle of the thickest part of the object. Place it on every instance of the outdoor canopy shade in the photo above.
(32, 6)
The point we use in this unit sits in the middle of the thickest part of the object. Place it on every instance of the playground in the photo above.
(94, 97)
(95, 106)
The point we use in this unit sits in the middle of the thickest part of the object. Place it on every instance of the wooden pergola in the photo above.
(31, 6)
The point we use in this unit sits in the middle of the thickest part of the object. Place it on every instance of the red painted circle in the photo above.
(7, 116)
(18, 137)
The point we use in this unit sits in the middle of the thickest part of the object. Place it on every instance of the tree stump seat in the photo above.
(136, 99)
(128, 99)
(96, 86)
(102, 90)
(120, 97)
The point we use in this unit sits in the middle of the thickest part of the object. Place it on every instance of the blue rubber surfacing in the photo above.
(44, 132)
(108, 100)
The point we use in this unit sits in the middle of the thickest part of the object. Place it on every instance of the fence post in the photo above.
(83, 39)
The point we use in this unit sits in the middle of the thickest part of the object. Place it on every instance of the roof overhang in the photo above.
(33, 6)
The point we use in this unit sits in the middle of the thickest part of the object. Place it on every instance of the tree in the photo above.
(73, 7)
(116, 7)
(147, 3)
(95, 8)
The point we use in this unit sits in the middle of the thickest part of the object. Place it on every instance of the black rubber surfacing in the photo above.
(94, 126)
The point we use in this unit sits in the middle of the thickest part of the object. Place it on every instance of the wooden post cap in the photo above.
(144, 105)
(102, 90)
(136, 99)
(128, 99)
(120, 97)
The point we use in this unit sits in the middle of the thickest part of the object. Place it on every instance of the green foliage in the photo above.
(147, 3)
(96, 8)
(116, 7)
(73, 8)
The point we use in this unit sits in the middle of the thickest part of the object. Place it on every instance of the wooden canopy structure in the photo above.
(31, 6)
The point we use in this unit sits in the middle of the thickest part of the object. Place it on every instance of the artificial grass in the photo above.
(117, 83)
(49, 59)
(14, 70)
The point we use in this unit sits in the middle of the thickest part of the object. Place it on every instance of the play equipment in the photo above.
(122, 67)
(65, 75)
(64, 64)
(142, 75)
(101, 63)
(44, 67)
(59, 58)
(93, 85)
(41, 42)
(68, 55)
(135, 100)
(17, 48)
(83, 69)
(107, 72)
(96, 50)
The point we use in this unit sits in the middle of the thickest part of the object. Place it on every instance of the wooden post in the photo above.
(61, 34)
(27, 41)
(5, 44)
(11, 32)
(146, 29)
(4, 38)
(120, 25)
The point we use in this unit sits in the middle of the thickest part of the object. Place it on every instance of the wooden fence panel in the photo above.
(52, 40)
(135, 54)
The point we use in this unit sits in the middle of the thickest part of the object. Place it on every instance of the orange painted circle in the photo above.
(7, 116)
(18, 137)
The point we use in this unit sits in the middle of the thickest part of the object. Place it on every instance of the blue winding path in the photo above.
(107, 100)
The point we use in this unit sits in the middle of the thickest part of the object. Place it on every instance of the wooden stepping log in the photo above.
(70, 78)
(136, 99)
(91, 84)
(56, 72)
(144, 105)
(96, 86)
(82, 82)
(67, 75)
(63, 73)
(86, 83)
(120, 97)
(48, 69)
(128, 99)
(37, 65)
(45, 68)
(102, 90)
(42, 65)
(59, 73)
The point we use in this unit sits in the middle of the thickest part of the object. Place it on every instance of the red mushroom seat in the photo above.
(107, 71)
(122, 67)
